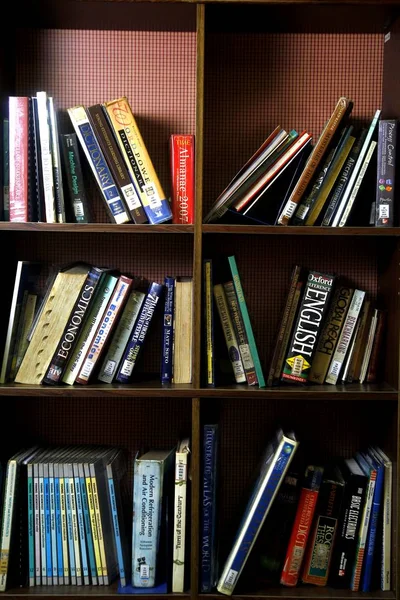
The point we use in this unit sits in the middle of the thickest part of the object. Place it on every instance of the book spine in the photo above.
(342, 107)
(366, 351)
(18, 158)
(71, 332)
(363, 532)
(182, 157)
(303, 343)
(302, 526)
(168, 326)
(7, 521)
(147, 500)
(93, 525)
(246, 320)
(38, 174)
(229, 333)
(81, 527)
(386, 173)
(345, 337)
(137, 339)
(88, 527)
(58, 525)
(319, 550)
(366, 576)
(105, 328)
(46, 158)
(330, 333)
(6, 170)
(240, 332)
(99, 526)
(353, 370)
(74, 177)
(387, 529)
(116, 163)
(254, 520)
(284, 325)
(138, 161)
(355, 173)
(31, 526)
(208, 539)
(26, 325)
(121, 336)
(53, 524)
(357, 184)
(75, 531)
(43, 571)
(36, 509)
(49, 556)
(348, 528)
(116, 529)
(375, 360)
(178, 559)
(209, 321)
(96, 312)
(64, 525)
(98, 165)
(55, 155)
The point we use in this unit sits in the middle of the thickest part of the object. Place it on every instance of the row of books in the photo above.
(91, 323)
(43, 177)
(330, 330)
(67, 518)
(331, 525)
(347, 177)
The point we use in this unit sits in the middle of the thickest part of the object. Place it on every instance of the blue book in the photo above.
(137, 338)
(58, 525)
(88, 527)
(98, 164)
(275, 463)
(70, 536)
(81, 524)
(166, 358)
(372, 529)
(208, 533)
(116, 471)
(53, 522)
(49, 561)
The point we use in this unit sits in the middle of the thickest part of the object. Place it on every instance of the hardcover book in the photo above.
(386, 173)
(78, 204)
(18, 107)
(183, 330)
(168, 325)
(182, 164)
(209, 507)
(46, 159)
(275, 463)
(56, 162)
(303, 343)
(208, 352)
(179, 557)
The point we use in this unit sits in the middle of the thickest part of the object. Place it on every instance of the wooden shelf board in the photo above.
(307, 592)
(96, 227)
(156, 390)
(70, 591)
(321, 231)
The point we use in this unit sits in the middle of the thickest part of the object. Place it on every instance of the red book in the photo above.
(18, 157)
(182, 175)
(301, 526)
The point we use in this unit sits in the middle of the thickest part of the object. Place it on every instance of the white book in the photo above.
(387, 521)
(46, 157)
(357, 184)
(356, 170)
(55, 155)
(345, 337)
(181, 478)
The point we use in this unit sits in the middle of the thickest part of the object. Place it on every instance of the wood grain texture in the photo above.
(80, 228)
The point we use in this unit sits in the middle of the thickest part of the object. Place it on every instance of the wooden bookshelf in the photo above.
(228, 72)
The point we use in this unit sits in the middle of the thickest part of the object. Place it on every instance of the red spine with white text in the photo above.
(301, 526)
(182, 179)
(18, 157)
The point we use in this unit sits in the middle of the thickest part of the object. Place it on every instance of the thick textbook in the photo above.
(153, 473)
(275, 463)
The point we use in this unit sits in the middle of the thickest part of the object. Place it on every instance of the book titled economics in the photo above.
(275, 463)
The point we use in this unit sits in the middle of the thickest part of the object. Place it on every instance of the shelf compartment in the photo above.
(294, 231)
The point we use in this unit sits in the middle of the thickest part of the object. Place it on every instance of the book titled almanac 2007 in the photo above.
(303, 343)
(182, 178)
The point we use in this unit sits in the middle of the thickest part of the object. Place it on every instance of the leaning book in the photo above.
(275, 464)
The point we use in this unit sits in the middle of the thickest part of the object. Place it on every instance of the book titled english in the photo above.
(182, 159)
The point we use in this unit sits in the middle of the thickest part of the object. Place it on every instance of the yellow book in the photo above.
(183, 328)
(138, 161)
(93, 523)
(51, 323)
(330, 179)
(100, 535)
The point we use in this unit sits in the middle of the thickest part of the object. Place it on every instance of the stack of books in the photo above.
(290, 181)
(67, 517)
(328, 526)
(91, 324)
(44, 170)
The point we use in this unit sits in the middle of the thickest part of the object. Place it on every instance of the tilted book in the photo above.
(98, 164)
(303, 343)
(275, 464)
(138, 161)
(387, 518)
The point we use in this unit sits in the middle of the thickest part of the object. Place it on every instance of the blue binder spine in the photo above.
(49, 563)
(53, 524)
(70, 536)
(372, 530)
(81, 525)
(167, 345)
(136, 341)
(88, 528)
(60, 559)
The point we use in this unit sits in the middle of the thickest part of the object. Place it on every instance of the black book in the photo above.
(349, 523)
(38, 173)
(77, 204)
(32, 187)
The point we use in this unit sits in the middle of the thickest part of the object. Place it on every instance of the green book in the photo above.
(246, 320)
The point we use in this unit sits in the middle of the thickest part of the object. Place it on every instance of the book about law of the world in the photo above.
(182, 165)
(275, 463)
(153, 475)
(314, 303)
(138, 161)
(179, 556)
(386, 173)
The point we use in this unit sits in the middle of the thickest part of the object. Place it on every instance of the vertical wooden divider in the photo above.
(197, 278)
